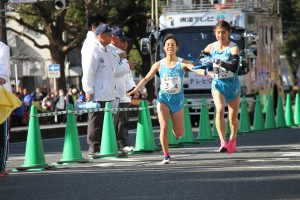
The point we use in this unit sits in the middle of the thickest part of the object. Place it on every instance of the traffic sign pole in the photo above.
(54, 84)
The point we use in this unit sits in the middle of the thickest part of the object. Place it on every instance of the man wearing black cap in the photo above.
(124, 83)
(98, 82)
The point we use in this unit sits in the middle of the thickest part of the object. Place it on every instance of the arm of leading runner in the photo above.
(201, 72)
(147, 78)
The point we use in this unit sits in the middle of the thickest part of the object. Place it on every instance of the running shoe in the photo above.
(224, 147)
(231, 146)
(93, 154)
(166, 160)
(128, 149)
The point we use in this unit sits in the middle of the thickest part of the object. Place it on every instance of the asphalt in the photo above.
(265, 166)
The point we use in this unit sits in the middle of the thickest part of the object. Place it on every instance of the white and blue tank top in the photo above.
(225, 56)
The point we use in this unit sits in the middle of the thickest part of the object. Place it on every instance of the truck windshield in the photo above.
(192, 40)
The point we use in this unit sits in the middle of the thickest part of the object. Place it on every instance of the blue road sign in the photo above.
(54, 71)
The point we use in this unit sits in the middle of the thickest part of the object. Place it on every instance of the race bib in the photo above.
(221, 72)
(171, 85)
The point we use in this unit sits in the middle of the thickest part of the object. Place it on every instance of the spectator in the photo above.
(47, 103)
(74, 94)
(60, 105)
(17, 117)
(45, 91)
(83, 117)
(27, 99)
(82, 96)
(69, 98)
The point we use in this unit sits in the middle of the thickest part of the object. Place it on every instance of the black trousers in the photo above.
(94, 130)
(121, 126)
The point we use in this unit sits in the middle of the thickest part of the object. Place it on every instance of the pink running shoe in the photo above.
(223, 147)
(231, 146)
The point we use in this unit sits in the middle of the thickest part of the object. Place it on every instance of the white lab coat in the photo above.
(98, 70)
(124, 81)
(4, 65)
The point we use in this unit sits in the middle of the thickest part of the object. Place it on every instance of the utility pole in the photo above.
(3, 37)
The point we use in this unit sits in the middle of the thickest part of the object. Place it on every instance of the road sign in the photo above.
(54, 71)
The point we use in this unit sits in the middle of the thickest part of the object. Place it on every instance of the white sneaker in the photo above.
(127, 149)
(166, 160)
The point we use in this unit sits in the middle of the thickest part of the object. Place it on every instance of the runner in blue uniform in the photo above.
(225, 85)
(170, 98)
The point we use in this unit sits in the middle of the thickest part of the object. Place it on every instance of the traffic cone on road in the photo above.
(280, 120)
(297, 110)
(34, 153)
(151, 133)
(270, 116)
(289, 118)
(214, 130)
(142, 141)
(172, 139)
(245, 126)
(109, 146)
(72, 150)
(188, 136)
(258, 122)
(204, 132)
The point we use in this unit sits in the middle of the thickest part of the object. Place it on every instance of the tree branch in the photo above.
(29, 38)
(23, 23)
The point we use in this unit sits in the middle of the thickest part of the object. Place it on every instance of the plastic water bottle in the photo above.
(80, 105)
(90, 105)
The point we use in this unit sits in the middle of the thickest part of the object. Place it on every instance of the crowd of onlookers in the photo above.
(45, 101)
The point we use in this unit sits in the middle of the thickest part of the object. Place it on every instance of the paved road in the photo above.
(266, 166)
